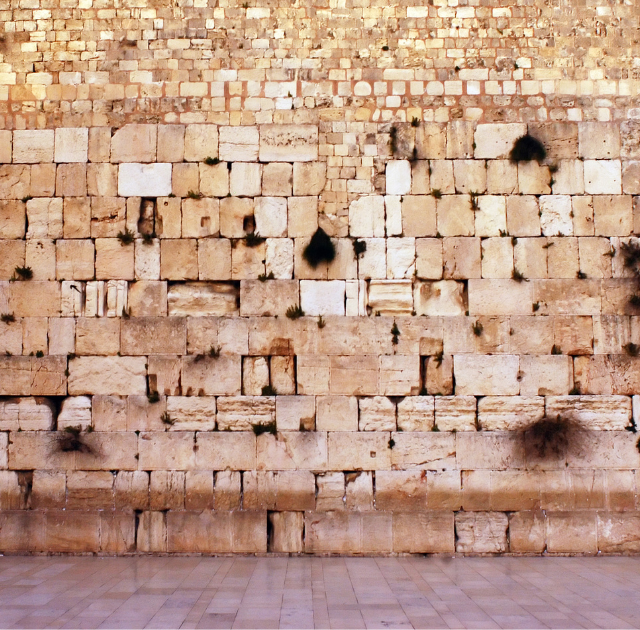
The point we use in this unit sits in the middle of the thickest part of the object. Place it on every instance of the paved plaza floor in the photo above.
(241, 592)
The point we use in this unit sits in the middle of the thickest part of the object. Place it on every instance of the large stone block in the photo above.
(144, 180)
(618, 532)
(134, 143)
(527, 532)
(599, 141)
(481, 532)
(154, 335)
(607, 413)
(288, 143)
(107, 375)
(287, 532)
(545, 375)
(291, 450)
(295, 413)
(430, 532)
(366, 216)
(239, 144)
(495, 141)
(200, 142)
(202, 299)
(15, 181)
(358, 451)
(509, 413)
(72, 532)
(32, 146)
(211, 376)
(337, 413)
(572, 532)
(226, 451)
(71, 144)
(348, 533)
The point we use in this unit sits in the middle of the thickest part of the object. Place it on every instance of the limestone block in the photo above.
(441, 177)
(545, 375)
(214, 259)
(481, 532)
(562, 258)
(171, 143)
(12, 219)
(347, 532)
(226, 491)
(241, 413)
(109, 413)
(134, 143)
(44, 218)
(460, 139)
(569, 178)
(313, 373)
(90, 490)
(618, 533)
(4, 441)
(377, 414)
(527, 532)
(214, 179)
(12, 256)
(330, 491)
(495, 141)
(366, 216)
(486, 375)
(132, 490)
(292, 450)
(444, 298)
(398, 174)
(530, 257)
(439, 376)
(166, 490)
(322, 298)
(470, 176)
(401, 491)
(497, 257)
(603, 413)
(429, 258)
(555, 218)
(354, 375)
(272, 297)
(41, 257)
(631, 177)
(303, 216)
(287, 528)
(571, 532)
(279, 258)
(26, 414)
(240, 144)
(167, 451)
(602, 177)
(233, 213)
(399, 375)
(75, 412)
(71, 144)
(107, 217)
(277, 179)
(337, 413)
(247, 261)
(102, 180)
(455, 216)
(114, 261)
(200, 218)
(271, 216)
(147, 260)
(72, 532)
(509, 413)
(43, 180)
(75, 260)
(245, 179)
(462, 257)
(358, 451)
(5, 146)
(423, 451)
(416, 413)
(144, 180)
(598, 141)
(200, 142)
(613, 215)
(533, 178)
(372, 264)
(309, 178)
(152, 532)
(502, 177)
(211, 376)
(491, 218)
(282, 490)
(255, 375)
(48, 490)
(225, 451)
(48, 376)
(430, 141)
(359, 491)
(95, 336)
(34, 335)
(561, 297)
(288, 143)
(32, 146)
(107, 375)
(14, 181)
(283, 375)
(153, 335)
(499, 297)
(178, 261)
(401, 258)
(294, 413)
(418, 215)
(147, 299)
(185, 178)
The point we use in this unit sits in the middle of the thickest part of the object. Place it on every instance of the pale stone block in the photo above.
(200, 142)
(569, 178)
(255, 375)
(533, 178)
(144, 180)
(75, 412)
(288, 528)
(377, 414)
(582, 216)
(214, 179)
(497, 258)
(240, 144)
(617, 532)
(481, 532)
(442, 177)
(401, 258)
(555, 218)
(114, 261)
(153, 335)
(178, 259)
(366, 217)
(214, 259)
(455, 413)
(599, 141)
(277, 179)
(423, 451)
(102, 180)
(393, 211)
(546, 375)
(571, 532)
(462, 257)
(399, 375)
(147, 260)
(107, 375)
(270, 215)
(147, 298)
(391, 297)
(602, 177)
(373, 263)
(490, 375)
(354, 375)
(192, 413)
(530, 257)
(631, 177)
(15, 181)
(416, 413)
(322, 298)
(295, 413)
(398, 174)
(495, 141)
(96, 336)
(439, 375)
(212, 376)
(279, 258)
(245, 179)
(107, 217)
(418, 215)
(185, 179)
(167, 451)
(431, 141)
(309, 178)
(401, 491)
(470, 176)
(522, 216)
(5, 146)
(460, 139)
(358, 450)
(455, 216)
(202, 299)
(41, 257)
(134, 143)
(75, 260)
(33, 146)
(359, 491)
(330, 491)
(247, 261)
(292, 450)
(71, 180)
(12, 219)
(71, 144)
(502, 177)
(303, 216)
(288, 143)
(509, 413)
(200, 218)
(226, 491)
(268, 298)
(313, 374)
(337, 413)
(613, 215)
(562, 258)
(234, 213)
(444, 298)
(595, 413)
(45, 218)
(171, 143)
(429, 258)
(62, 335)
(491, 216)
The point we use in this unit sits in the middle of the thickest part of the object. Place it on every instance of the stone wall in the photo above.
(176, 377)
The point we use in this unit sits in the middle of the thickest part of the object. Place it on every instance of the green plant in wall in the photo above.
(165, 418)
(395, 334)
(22, 273)
(359, 248)
(320, 249)
(126, 237)
(553, 436)
(7, 318)
(267, 427)
(209, 161)
(294, 312)
(527, 148)
(269, 390)
(253, 239)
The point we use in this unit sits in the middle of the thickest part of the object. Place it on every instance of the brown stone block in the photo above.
(571, 532)
(494, 450)
(481, 532)
(22, 530)
(333, 532)
(358, 451)
(291, 450)
(48, 490)
(167, 490)
(199, 490)
(219, 376)
(618, 533)
(527, 532)
(165, 375)
(117, 532)
(226, 450)
(90, 490)
(167, 451)
(152, 532)
(286, 532)
(34, 299)
(401, 490)
(147, 298)
(97, 335)
(132, 490)
(72, 532)
(226, 491)
(12, 219)
(154, 335)
(423, 450)
(428, 532)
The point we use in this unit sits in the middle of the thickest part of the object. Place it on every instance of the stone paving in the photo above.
(305, 592)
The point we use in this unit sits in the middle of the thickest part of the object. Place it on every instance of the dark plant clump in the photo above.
(477, 329)
(395, 334)
(517, 275)
(209, 161)
(391, 443)
(320, 249)
(126, 237)
(552, 436)
(321, 322)
(153, 397)
(436, 193)
(192, 194)
(269, 390)
(70, 440)
(393, 140)
(7, 318)
(23, 273)
(39, 354)
(415, 122)
(263, 277)
(359, 248)
(631, 349)
(166, 419)
(269, 427)
(556, 349)
(253, 239)
(526, 149)
(214, 351)
(632, 427)
(535, 306)
(294, 312)
(438, 358)
(581, 275)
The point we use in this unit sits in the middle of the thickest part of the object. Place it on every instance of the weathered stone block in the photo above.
(571, 532)
(240, 144)
(295, 413)
(32, 146)
(107, 375)
(364, 451)
(509, 413)
(288, 143)
(287, 532)
(291, 450)
(432, 532)
(200, 142)
(144, 180)
(134, 143)
(495, 141)
(481, 532)
(71, 144)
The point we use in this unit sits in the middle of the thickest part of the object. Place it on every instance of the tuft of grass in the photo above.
(552, 437)
(214, 351)
(435, 429)
(294, 312)
(395, 334)
(192, 194)
(27, 198)
(153, 397)
(253, 239)
(269, 390)
(581, 275)
(209, 161)
(631, 349)
(385, 48)
(526, 149)
(320, 249)
(269, 427)
(7, 318)
(263, 277)
(22, 273)
(535, 306)
(477, 329)
(474, 201)
(415, 121)
(556, 349)
(71, 440)
(634, 301)
(436, 193)
(359, 248)
(147, 239)
(39, 354)
(126, 237)
(517, 275)
(167, 419)
(321, 322)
